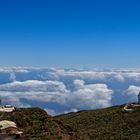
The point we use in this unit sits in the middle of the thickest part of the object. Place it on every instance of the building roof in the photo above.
(7, 124)
(7, 108)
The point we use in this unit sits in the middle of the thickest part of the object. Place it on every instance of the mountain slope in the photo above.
(102, 124)
(105, 124)
(38, 125)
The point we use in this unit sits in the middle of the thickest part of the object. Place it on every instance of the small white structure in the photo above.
(128, 108)
(7, 124)
(7, 108)
(9, 127)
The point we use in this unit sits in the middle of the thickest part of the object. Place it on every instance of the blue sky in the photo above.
(70, 33)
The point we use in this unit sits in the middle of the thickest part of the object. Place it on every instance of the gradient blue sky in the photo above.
(70, 33)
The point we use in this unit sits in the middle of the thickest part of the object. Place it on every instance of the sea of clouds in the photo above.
(68, 90)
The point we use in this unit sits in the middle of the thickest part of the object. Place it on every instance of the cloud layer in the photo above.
(65, 90)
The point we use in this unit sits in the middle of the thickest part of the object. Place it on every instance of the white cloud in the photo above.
(81, 74)
(46, 97)
(119, 77)
(14, 69)
(72, 110)
(132, 92)
(90, 95)
(68, 88)
(79, 83)
(50, 111)
(12, 77)
(85, 96)
(34, 85)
